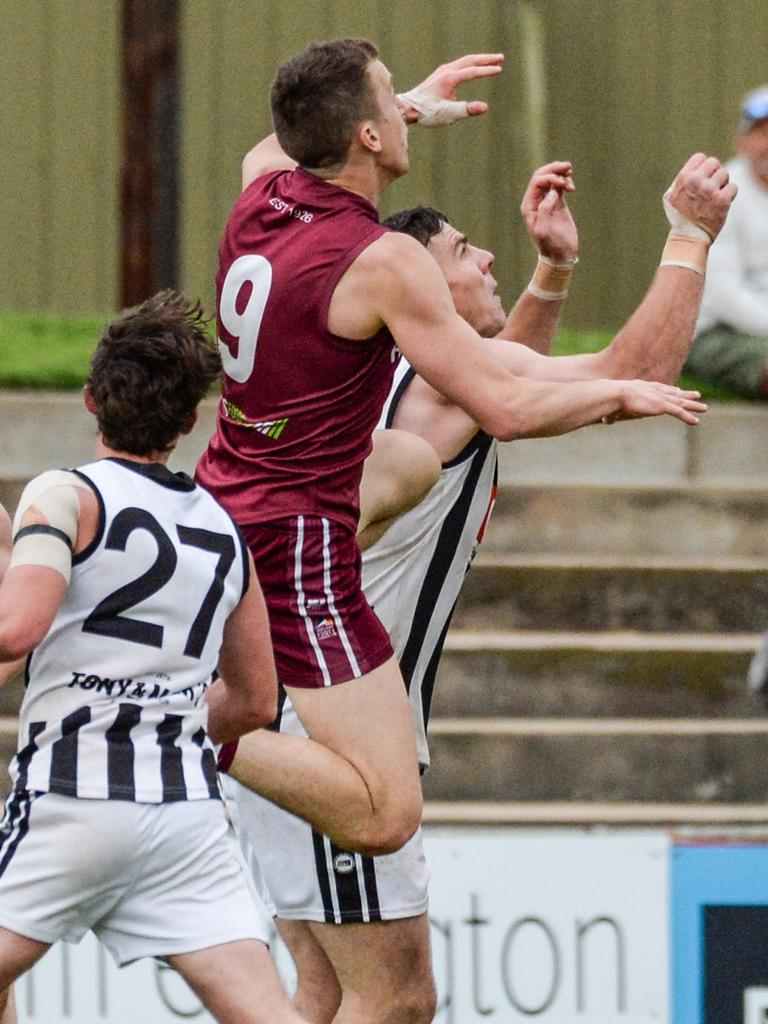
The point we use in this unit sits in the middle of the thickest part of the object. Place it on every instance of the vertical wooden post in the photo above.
(535, 78)
(150, 137)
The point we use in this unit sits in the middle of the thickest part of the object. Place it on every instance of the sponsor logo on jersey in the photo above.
(343, 863)
(270, 428)
(325, 629)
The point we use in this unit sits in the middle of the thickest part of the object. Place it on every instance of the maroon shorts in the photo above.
(323, 629)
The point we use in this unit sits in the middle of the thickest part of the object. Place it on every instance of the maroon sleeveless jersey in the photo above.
(299, 403)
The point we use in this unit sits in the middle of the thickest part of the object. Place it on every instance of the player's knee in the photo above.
(414, 1003)
(389, 833)
(419, 1003)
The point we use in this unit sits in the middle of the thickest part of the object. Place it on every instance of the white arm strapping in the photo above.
(681, 225)
(433, 111)
(54, 495)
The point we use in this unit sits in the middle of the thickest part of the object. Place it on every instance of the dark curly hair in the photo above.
(150, 369)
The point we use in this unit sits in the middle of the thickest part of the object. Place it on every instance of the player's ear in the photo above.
(368, 136)
(90, 401)
(189, 423)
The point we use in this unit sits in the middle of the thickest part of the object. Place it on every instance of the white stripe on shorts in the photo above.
(302, 603)
(366, 912)
(332, 605)
(332, 880)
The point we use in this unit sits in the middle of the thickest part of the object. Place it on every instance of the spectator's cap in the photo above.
(754, 107)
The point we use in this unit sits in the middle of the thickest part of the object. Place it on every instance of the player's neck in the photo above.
(103, 451)
(363, 176)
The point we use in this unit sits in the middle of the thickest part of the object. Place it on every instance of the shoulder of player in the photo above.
(392, 248)
(395, 261)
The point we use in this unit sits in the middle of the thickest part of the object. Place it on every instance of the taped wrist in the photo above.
(433, 111)
(685, 251)
(550, 280)
(681, 225)
(226, 756)
(54, 496)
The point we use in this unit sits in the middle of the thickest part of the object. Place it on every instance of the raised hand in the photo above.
(700, 196)
(545, 212)
(433, 102)
(640, 398)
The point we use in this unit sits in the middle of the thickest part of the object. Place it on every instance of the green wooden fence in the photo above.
(625, 88)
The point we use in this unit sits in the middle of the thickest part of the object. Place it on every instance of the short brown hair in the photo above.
(319, 97)
(150, 369)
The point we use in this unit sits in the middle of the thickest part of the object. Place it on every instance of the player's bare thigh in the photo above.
(368, 722)
(367, 973)
(17, 955)
(237, 982)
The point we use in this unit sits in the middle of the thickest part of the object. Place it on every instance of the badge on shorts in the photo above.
(325, 629)
(343, 863)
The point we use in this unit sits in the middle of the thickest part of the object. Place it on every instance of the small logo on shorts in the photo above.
(325, 629)
(343, 863)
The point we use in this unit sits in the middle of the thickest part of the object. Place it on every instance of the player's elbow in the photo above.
(17, 639)
(504, 423)
(259, 710)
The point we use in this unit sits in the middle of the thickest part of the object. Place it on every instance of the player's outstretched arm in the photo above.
(654, 343)
(408, 292)
(267, 155)
(245, 695)
(434, 102)
(552, 229)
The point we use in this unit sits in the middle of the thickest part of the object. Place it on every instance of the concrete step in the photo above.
(534, 673)
(674, 520)
(727, 448)
(617, 813)
(608, 593)
(677, 762)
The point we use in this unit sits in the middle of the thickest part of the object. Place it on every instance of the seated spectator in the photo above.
(731, 346)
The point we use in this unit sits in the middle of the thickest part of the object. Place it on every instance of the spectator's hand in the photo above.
(701, 194)
(545, 212)
(434, 101)
(640, 398)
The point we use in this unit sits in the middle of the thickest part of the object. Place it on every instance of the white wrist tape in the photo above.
(550, 280)
(54, 496)
(686, 252)
(434, 111)
(681, 225)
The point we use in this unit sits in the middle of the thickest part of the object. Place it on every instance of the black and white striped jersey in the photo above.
(114, 707)
(413, 575)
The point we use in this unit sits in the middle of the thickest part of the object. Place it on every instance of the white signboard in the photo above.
(549, 926)
(562, 927)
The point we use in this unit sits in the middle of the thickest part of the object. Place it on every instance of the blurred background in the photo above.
(596, 817)
(124, 125)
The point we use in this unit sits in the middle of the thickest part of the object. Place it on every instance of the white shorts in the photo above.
(302, 876)
(150, 880)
